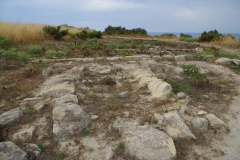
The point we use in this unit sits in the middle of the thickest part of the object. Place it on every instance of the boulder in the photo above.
(59, 65)
(168, 57)
(69, 119)
(10, 151)
(173, 70)
(215, 122)
(175, 126)
(10, 116)
(148, 143)
(200, 124)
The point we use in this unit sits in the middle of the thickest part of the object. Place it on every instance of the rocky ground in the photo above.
(122, 107)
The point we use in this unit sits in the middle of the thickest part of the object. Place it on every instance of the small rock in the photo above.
(200, 124)
(10, 151)
(124, 94)
(180, 58)
(202, 112)
(181, 95)
(59, 65)
(33, 148)
(47, 72)
(33, 99)
(215, 122)
(161, 119)
(93, 117)
(198, 50)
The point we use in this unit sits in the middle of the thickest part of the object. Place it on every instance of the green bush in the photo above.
(168, 35)
(14, 53)
(182, 35)
(55, 32)
(35, 49)
(84, 35)
(209, 36)
(177, 86)
(123, 30)
(4, 42)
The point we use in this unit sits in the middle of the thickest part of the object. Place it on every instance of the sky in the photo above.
(186, 16)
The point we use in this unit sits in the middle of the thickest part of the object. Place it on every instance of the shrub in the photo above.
(193, 71)
(182, 35)
(41, 146)
(84, 35)
(168, 35)
(55, 32)
(177, 86)
(4, 42)
(123, 30)
(35, 49)
(13, 53)
(209, 36)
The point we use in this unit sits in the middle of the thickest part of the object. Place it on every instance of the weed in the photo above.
(154, 119)
(85, 132)
(133, 157)
(228, 55)
(60, 154)
(178, 86)
(41, 146)
(119, 135)
(54, 32)
(79, 153)
(28, 110)
(35, 49)
(90, 149)
(121, 145)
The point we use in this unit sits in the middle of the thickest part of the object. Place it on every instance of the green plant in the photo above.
(123, 30)
(209, 36)
(182, 35)
(41, 146)
(178, 86)
(23, 57)
(85, 132)
(54, 32)
(133, 157)
(35, 49)
(4, 42)
(60, 154)
(90, 149)
(28, 110)
(121, 145)
(51, 53)
(79, 153)
(188, 39)
(154, 119)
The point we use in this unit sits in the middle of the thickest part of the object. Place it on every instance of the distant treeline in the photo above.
(123, 30)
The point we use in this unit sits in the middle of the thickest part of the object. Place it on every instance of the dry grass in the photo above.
(166, 37)
(21, 32)
(227, 41)
(27, 32)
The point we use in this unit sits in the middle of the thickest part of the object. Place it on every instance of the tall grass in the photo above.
(227, 40)
(18, 32)
(21, 32)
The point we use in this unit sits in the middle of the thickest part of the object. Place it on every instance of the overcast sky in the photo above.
(190, 16)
